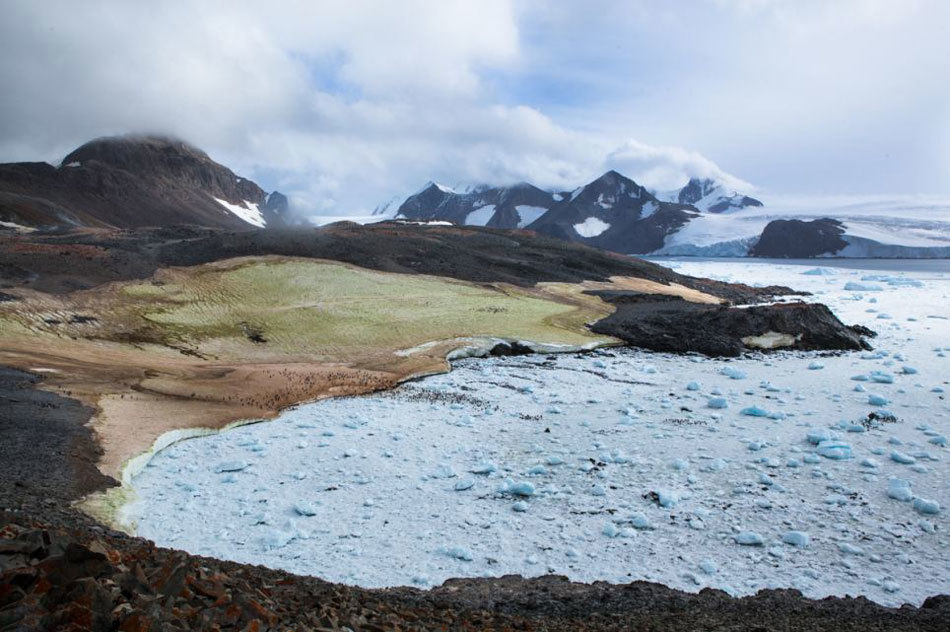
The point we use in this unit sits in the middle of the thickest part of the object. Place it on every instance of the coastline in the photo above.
(112, 506)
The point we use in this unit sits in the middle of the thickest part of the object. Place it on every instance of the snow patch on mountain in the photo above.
(480, 216)
(591, 227)
(249, 212)
(529, 214)
(649, 209)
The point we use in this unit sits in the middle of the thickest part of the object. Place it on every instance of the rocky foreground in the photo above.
(86, 578)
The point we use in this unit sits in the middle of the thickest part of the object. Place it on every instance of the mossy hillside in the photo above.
(307, 307)
(277, 307)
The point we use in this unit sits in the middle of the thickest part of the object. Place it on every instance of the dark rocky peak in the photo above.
(610, 189)
(427, 199)
(165, 160)
(696, 189)
(712, 196)
(137, 154)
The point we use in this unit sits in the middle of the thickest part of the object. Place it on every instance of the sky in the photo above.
(344, 105)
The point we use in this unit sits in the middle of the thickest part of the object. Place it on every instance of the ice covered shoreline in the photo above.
(579, 456)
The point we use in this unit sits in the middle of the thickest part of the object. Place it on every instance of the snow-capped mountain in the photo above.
(710, 196)
(615, 213)
(513, 206)
(133, 181)
(703, 218)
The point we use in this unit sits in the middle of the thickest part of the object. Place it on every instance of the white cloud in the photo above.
(346, 103)
(668, 167)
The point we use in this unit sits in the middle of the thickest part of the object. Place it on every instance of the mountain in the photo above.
(513, 206)
(135, 181)
(711, 196)
(703, 218)
(615, 213)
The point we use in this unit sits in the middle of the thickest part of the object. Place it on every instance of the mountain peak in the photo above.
(133, 149)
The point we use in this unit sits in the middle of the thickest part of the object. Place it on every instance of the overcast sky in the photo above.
(345, 104)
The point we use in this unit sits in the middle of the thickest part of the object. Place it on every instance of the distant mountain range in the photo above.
(703, 218)
(134, 181)
(137, 181)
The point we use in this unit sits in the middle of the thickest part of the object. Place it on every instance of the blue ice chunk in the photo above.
(877, 400)
(796, 538)
(458, 553)
(465, 483)
(926, 507)
(900, 457)
(640, 521)
(523, 488)
(732, 372)
(815, 366)
(693, 386)
(304, 508)
(899, 489)
(718, 402)
(754, 411)
(835, 450)
(231, 466)
(850, 549)
(485, 467)
(852, 286)
(749, 538)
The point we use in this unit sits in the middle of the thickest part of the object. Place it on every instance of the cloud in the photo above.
(347, 103)
(668, 167)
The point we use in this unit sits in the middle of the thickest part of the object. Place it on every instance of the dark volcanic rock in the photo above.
(665, 324)
(130, 181)
(45, 445)
(797, 239)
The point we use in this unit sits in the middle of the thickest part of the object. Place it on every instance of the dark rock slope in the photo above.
(128, 182)
(798, 239)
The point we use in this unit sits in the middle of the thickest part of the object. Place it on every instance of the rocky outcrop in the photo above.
(663, 323)
(798, 239)
(133, 181)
